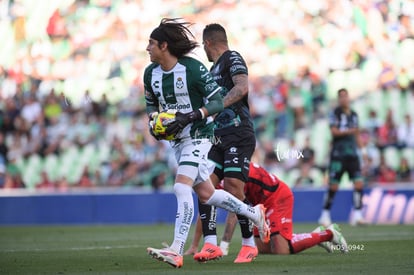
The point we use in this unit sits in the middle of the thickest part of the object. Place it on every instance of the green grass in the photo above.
(122, 250)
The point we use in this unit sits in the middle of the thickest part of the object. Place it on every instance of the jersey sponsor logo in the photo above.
(180, 83)
(233, 149)
(177, 106)
(202, 68)
(237, 67)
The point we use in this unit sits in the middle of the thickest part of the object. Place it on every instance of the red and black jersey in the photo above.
(261, 184)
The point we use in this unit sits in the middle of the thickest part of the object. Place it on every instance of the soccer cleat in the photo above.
(166, 255)
(262, 226)
(325, 218)
(246, 254)
(338, 239)
(209, 252)
(325, 245)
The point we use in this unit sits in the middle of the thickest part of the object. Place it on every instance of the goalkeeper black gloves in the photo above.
(182, 120)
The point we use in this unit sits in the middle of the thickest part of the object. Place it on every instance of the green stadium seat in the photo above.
(300, 137)
(375, 101)
(34, 162)
(292, 177)
(345, 182)
(317, 176)
(335, 81)
(51, 166)
(392, 157)
(320, 141)
(360, 107)
(393, 100)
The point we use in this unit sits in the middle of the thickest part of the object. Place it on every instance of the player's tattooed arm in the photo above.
(240, 89)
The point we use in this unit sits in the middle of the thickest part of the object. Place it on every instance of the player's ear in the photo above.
(163, 45)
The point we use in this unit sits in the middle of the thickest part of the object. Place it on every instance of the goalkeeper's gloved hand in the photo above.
(151, 123)
(182, 120)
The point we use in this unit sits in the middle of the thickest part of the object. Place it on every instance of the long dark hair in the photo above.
(177, 34)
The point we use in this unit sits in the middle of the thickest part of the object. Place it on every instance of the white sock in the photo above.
(227, 201)
(326, 213)
(184, 217)
(212, 239)
(248, 241)
(357, 214)
(224, 246)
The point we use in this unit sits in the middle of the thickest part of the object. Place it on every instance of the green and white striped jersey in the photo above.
(186, 87)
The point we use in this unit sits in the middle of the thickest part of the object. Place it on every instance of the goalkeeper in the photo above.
(175, 81)
(264, 187)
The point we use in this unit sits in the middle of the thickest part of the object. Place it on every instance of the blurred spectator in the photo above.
(115, 177)
(308, 154)
(45, 183)
(280, 98)
(270, 160)
(384, 173)
(368, 169)
(2, 175)
(318, 90)
(387, 133)
(388, 77)
(31, 110)
(296, 102)
(372, 124)
(289, 157)
(304, 180)
(404, 171)
(85, 179)
(13, 177)
(406, 132)
(4, 150)
(96, 46)
(52, 108)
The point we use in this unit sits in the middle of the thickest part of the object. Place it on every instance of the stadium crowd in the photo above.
(71, 93)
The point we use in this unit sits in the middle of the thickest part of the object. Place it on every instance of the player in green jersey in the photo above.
(343, 122)
(175, 81)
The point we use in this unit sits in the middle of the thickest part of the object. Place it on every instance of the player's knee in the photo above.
(235, 187)
(280, 245)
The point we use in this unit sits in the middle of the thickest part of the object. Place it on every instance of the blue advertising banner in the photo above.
(381, 206)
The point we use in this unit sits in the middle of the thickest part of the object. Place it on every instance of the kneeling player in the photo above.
(264, 187)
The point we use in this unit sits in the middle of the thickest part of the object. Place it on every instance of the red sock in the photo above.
(304, 241)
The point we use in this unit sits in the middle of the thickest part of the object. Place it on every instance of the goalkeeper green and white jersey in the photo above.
(186, 87)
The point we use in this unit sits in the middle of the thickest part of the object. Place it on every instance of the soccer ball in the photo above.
(160, 125)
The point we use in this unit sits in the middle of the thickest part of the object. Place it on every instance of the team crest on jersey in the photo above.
(180, 83)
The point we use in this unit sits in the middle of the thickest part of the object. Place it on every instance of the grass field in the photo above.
(122, 250)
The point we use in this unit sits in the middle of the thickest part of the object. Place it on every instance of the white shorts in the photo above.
(192, 159)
